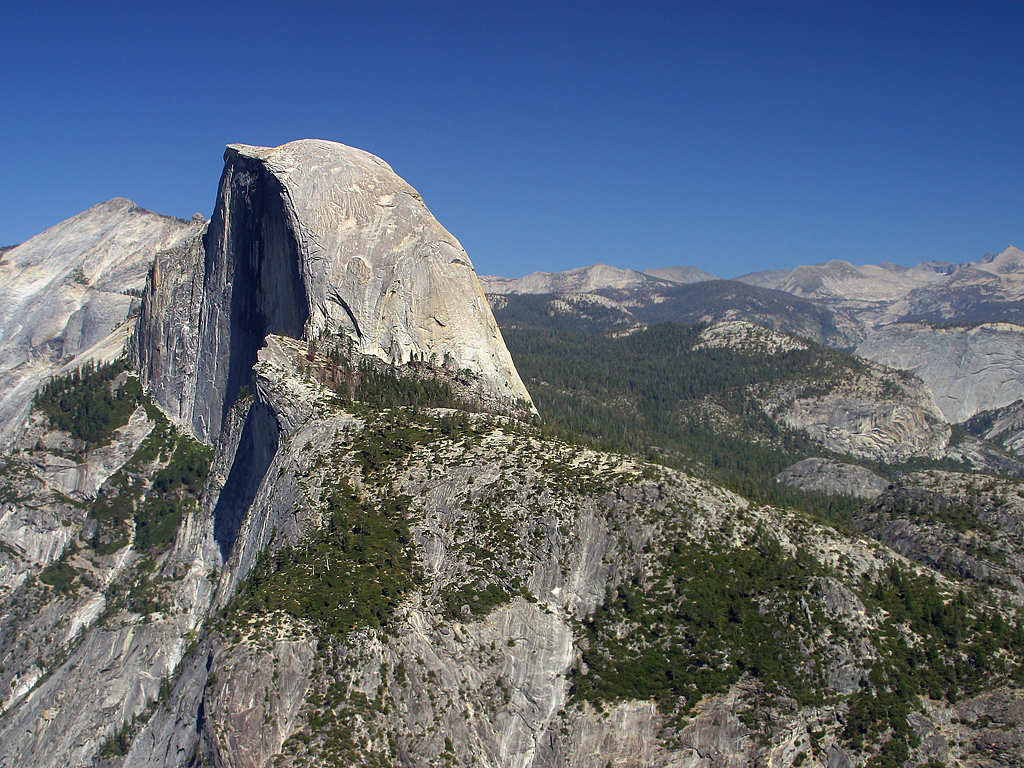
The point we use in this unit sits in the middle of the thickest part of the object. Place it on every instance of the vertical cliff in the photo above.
(311, 240)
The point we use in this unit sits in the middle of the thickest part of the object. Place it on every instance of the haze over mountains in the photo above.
(999, 277)
(274, 492)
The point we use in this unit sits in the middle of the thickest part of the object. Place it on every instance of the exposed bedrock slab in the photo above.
(833, 477)
(968, 369)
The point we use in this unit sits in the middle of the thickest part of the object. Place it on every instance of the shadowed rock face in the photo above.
(310, 239)
(252, 286)
(256, 448)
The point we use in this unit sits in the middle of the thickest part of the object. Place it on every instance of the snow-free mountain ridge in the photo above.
(67, 289)
(899, 316)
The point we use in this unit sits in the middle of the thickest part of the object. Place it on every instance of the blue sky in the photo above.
(731, 136)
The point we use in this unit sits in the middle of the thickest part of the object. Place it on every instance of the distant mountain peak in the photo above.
(682, 275)
(594, 277)
(1008, 261)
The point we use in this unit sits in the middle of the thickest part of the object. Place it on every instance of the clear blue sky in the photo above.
(731, 136)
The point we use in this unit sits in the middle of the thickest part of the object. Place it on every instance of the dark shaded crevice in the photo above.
(336, 297)
(256, 448)
(201, 715)
(252, 255)
(196, 760)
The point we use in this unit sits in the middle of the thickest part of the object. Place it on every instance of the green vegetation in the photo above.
(961, 648)
(175, 485)
(700, 617)
(85, 404)
(706, 617)
(119, 743)
(389, 439)
(916, 504)
(59, 575)
(394, 434)
(351, 572)
(380, 387)
(163, 477)
(376, 384)
(479, 600)
(651, 393)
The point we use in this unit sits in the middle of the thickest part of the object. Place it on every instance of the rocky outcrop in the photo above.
(861, 409)
(65, 290)
(741, 336)
(313, 240)
(968, 369)
(866, 428)
(833, 477)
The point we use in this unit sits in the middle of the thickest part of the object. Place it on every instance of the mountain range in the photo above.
(957, 326)
(290, 485)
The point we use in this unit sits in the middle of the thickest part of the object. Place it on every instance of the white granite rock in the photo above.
(314, 239)
(66, 289)
(968, 369)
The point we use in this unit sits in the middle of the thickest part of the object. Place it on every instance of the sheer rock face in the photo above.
(166, 340)
(969, 369)
(311, 239)
(65, 290)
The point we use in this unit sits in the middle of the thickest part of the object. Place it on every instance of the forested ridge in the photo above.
(653, 393)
